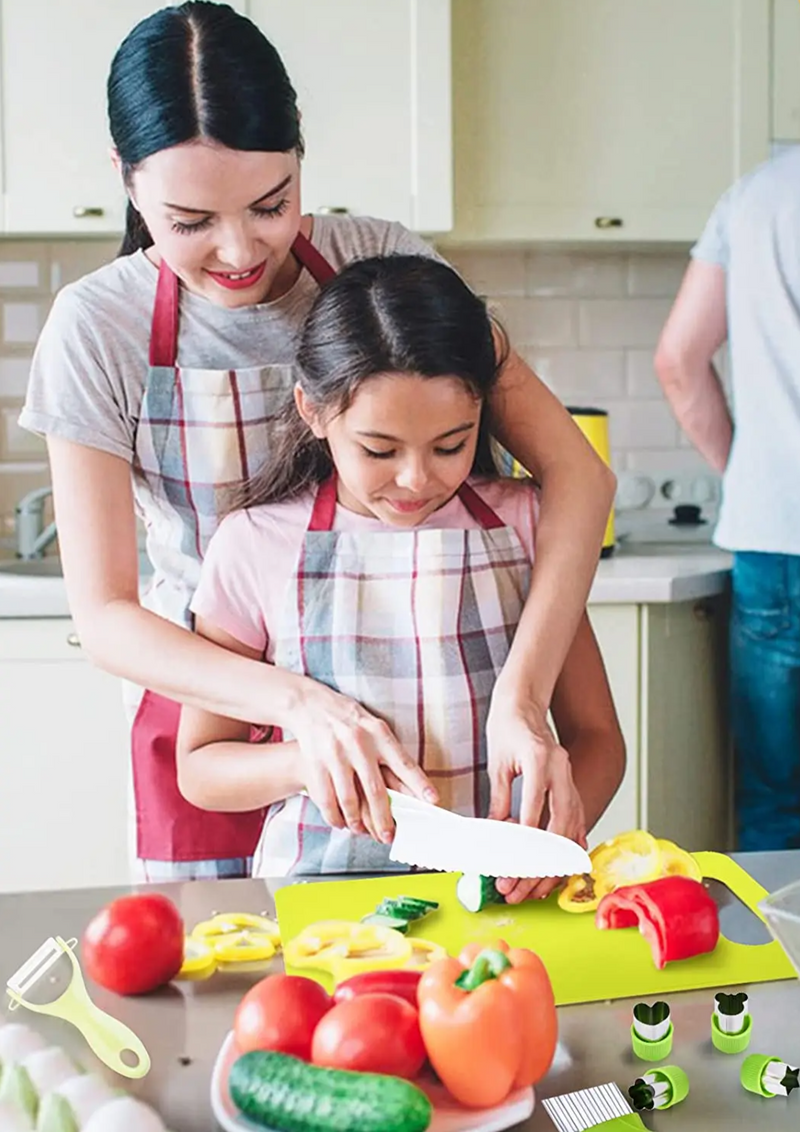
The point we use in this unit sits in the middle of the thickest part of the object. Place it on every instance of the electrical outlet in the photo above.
(700, 488)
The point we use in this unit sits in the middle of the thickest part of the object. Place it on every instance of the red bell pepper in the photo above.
(402, 983)
(675, 915)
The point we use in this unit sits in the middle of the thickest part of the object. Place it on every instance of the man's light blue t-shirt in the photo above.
(754, 234)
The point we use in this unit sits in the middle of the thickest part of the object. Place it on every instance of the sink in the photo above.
(32, 567)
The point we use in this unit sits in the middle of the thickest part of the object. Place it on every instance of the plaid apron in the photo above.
(415, 625)
(200, 433)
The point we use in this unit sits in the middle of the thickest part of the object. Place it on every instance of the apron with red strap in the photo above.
(200, 433)
(415, 625)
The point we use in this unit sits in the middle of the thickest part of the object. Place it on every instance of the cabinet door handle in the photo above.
(703, 611)
(81, 212)
(333, 210)
(608, 222)
(74, 640)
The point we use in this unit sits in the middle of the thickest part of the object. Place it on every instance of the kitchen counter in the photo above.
(645, 574)
(634, 575)
(184, 1024)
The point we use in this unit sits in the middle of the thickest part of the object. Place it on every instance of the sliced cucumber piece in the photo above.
(405, 907)
(475, 892)
(382, 920)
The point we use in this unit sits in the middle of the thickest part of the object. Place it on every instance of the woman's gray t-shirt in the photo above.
(90, 365)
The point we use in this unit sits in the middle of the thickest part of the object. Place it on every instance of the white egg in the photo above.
(18, 1041)
(47, 1068)
(85, 1094)
(12, 1119)
(124, 1114)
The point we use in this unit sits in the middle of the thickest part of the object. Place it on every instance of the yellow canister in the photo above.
(593, 423)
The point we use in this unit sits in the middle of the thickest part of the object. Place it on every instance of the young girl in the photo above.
(379, 552)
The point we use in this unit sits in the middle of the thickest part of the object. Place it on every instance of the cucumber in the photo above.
(475, 892)
(282, 1092)
(382, 919)
(405, 907)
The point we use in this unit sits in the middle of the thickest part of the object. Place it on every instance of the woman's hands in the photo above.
(348, 757)
(521, 744)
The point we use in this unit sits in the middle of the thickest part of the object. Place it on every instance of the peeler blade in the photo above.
(35, 967)
(430, 837)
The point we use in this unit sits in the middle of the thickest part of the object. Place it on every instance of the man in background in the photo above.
(743, 285)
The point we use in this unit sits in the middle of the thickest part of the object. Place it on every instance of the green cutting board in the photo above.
(585, 965)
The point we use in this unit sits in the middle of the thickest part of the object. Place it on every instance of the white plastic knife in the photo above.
(431, 837)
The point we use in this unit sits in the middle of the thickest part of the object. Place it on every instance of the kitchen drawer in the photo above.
(52, 638)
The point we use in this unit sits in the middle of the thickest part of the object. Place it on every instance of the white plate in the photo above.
(448, 1116)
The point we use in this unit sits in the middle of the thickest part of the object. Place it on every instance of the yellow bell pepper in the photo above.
(676, 862)
(346, 948)
(630, 858)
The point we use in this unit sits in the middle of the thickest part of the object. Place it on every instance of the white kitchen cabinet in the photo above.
(65, 760)
(785, 70)
(373, 84)
(586, 120)
(666, 665)
(56, 55)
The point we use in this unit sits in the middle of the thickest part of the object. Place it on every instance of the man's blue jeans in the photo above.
(765, 699)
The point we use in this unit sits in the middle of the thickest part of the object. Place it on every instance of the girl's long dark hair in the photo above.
(198, 70)
(389, 314)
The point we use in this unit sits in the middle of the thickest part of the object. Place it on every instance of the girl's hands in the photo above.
(347, 756)
(521, 743)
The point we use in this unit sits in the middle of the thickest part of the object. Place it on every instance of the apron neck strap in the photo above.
(312, 260)
(164, 327)
(480, 511)
(324, 509)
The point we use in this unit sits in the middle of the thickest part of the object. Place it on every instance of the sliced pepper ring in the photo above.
(242, 947)
(345, 948)
(199, 961)
(228, 923)
(630, 858)
(423, 953)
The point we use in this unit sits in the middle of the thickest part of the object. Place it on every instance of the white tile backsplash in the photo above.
(14, 274)
(656, 276)
(562, 274)
(587, 321)
(21, 323)
(579, 374)
(18, 443)
(14, 376)
(540, 322)
(622, 322)
(641, 380)
(492, 273)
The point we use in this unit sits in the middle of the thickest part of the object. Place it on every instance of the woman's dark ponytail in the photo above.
(198, 70)
(137, 235)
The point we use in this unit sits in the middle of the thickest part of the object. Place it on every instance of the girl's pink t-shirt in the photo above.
(253, 555)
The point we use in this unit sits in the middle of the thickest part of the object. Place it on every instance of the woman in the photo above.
(153, 380)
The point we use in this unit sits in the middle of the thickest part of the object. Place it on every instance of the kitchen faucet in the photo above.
(32, 537)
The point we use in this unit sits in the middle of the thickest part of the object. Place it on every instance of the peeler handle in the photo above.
(110, 1038)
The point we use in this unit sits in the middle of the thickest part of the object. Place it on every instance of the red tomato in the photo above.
(280, 1013)
(371, 1033)
(134, 944)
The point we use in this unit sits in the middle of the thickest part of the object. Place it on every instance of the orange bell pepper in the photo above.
(489, 1022)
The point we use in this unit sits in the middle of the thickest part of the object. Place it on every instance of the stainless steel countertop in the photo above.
(183, 1025)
